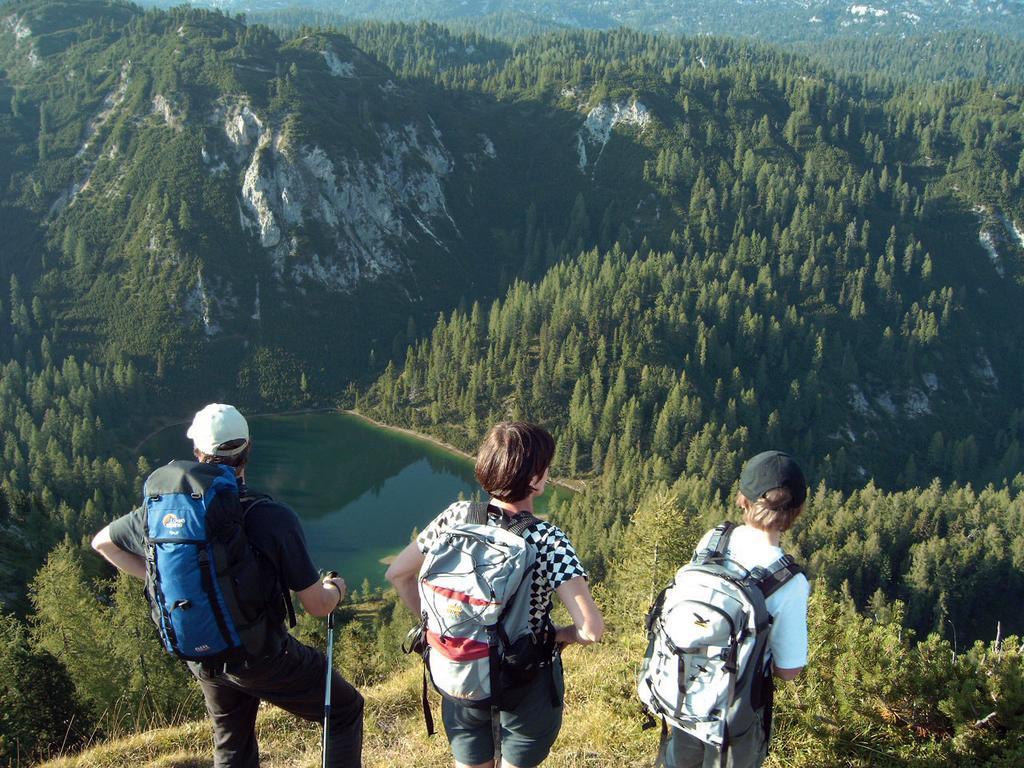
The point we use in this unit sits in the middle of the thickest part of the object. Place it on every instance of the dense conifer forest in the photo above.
(684, 250)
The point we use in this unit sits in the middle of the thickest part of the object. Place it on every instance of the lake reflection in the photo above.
(360, 490)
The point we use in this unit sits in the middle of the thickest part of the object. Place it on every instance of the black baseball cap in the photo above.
(773, 469)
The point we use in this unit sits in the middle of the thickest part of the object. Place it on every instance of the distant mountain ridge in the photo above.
(774, 20)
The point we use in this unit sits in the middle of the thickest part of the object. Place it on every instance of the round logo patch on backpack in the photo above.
(172, 522)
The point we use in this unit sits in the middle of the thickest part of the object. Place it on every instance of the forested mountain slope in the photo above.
(836, 255)
(178, 181)
(825, 283)
(935, 58)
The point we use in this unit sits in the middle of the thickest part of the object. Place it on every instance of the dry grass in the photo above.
(601, 729)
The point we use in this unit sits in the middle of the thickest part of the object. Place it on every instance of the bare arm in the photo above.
(403, 575)
(787, 674)
(129, 562)
(587, 623)
(322, 597)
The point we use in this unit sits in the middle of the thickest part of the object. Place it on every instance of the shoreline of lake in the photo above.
(174, 420)
(576, 486)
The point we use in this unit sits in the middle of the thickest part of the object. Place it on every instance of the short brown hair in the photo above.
(512, 454)
(237, 461)
(774, 511)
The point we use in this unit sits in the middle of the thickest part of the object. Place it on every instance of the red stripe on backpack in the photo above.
(462, 597)
(458, 648)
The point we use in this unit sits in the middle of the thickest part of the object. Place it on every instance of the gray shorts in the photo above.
(746, 750)
(527, 732)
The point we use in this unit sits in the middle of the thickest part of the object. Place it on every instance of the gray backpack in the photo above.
(474, 588)
(705, 671)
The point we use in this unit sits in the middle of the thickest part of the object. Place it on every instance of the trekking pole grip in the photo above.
(330, 616)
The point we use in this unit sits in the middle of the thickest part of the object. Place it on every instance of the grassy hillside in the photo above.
(597, 731)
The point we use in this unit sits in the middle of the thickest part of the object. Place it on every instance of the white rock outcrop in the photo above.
(581, 153)
(489, 149)
(602, 119)
(209, 326)
(867, 10)
(1013, 230)
(111, 102)
(885, 402)
(258, 190)
(858, 401)
(163, 107)
(208, 299)
(991, 236)
(241, 125)
(338, 67)
(18, 27)
(21, 31)
(988, 243)
(1018, 233)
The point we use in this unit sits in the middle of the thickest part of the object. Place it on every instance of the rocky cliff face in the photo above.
(366, 208)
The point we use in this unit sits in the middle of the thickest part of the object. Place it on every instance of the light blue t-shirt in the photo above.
(787, 639)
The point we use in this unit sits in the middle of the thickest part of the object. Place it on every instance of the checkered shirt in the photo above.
(556, 563)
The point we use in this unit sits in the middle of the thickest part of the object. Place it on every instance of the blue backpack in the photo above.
(204, 580)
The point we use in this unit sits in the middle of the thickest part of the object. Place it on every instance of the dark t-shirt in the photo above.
(273, 529)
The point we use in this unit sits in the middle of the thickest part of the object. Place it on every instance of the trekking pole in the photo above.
(327, 682)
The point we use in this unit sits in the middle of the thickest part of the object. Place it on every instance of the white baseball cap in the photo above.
(215, 425)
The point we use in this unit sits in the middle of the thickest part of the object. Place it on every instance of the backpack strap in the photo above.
(718, 543)
(428, 716)
(770, 580)
(477, 512)
(248, 502)
(518, 523)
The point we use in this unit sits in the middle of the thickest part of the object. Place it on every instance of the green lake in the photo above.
(360, 490)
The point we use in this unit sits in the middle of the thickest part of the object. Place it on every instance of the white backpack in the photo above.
(474, 588)
(704, 672)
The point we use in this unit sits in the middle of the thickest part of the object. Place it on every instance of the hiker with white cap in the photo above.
(212, 425)
(219, 562)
